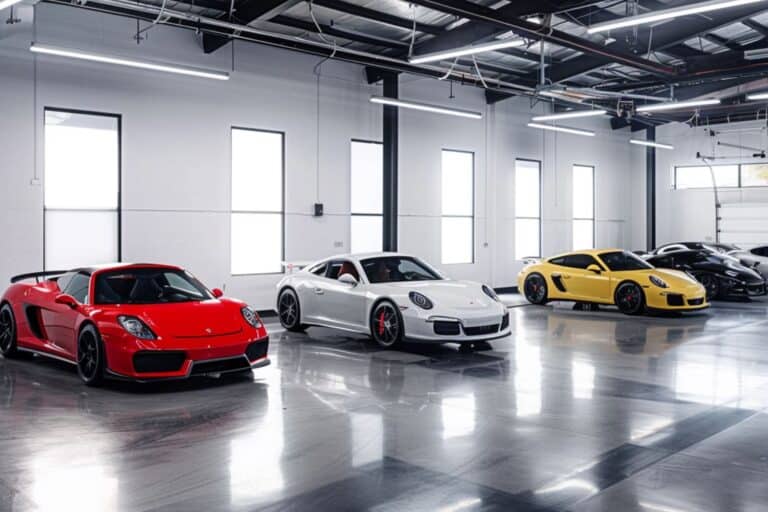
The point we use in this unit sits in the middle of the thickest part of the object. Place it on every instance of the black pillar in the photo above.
(391, 139)
(650, 189)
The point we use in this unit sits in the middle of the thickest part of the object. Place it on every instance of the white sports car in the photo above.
(755, 258)
(391, 297)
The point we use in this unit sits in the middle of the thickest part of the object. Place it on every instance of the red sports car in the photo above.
(138, 322)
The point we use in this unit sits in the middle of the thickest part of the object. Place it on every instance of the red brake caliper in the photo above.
(381, 323)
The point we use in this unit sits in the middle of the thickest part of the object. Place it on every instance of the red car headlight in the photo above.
(136, 327)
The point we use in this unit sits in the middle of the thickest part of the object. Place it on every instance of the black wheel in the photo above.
(90, 356)
(386, 325)
(7, 332)
(710, 284)
(289, 311)
(535, 289)
(630, 299)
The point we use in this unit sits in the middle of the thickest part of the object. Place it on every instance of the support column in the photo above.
(650, 189)
(391, 140)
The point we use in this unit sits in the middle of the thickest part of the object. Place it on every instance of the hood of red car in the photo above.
(192, 319)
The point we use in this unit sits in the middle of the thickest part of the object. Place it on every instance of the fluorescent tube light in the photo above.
(652, 144)
(758, 96)
(437, 109)
(668, 14)
(570, 115)
(465, 50)
(675, 105)
(120, 61)
(760, 54)
(8, 3)
(563, 129)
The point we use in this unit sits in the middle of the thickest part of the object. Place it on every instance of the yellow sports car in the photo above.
(611, 276)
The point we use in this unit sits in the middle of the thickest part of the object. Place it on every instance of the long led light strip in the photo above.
(121, 61)
(652, 144)
(427, 107)
(676, 105)
(8, 3)
(668, 14)
(758, 96)
(563, 129)
(465, 50)
(570, 115)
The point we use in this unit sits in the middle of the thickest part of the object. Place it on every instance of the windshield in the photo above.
(395, 269)
(623, 260)
(148, 286)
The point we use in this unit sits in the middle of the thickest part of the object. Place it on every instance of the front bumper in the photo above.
(733, 287)
(481, 326)
(689, 299)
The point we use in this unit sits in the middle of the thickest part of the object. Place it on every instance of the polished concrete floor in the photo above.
(577, 411)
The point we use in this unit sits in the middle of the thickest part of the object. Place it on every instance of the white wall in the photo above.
(176, 154)
(684, 215)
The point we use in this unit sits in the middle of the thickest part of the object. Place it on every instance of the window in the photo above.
(583, 207)
(77, 287)
(458, 197)
(395, 269)
(148, 286)
(623, 261)
(700, 177)
(527, 209)
(754, 175)
(367, 191)
(319, 270)
(82, 189)
(257, 202)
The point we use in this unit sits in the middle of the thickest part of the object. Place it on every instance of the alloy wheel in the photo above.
(288, 310)
(629, 298)
(88, 356)
(7, 329)
(386, 325)
(535, 289)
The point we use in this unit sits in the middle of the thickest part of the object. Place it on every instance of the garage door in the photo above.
(744, 224)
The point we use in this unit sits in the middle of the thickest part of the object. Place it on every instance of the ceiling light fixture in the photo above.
(8, 3)
(758, 96)
(762, 53)
(650, 143)
(465, 50)
(426, 107)
(668, 14)
(121, 61)
(570, 115)
(676, 105)
(564, 129)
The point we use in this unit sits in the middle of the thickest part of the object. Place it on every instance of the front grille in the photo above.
(257, 350)
(756, 289)
(695, 302)
(480, 330)
(504, 321)
(159, 361)
(674, 299)
(445, 328)
(225, 365)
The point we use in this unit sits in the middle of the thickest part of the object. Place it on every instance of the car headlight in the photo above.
(420, 300)
(658, 282)
(731, 273)
(491, 293)
(251, 317)
(136, 327)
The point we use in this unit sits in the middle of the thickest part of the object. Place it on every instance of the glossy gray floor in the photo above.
(581, 411)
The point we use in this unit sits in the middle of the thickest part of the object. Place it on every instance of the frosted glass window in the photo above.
(754, 175)
(583, 236)
(457, 240)
(701, 177)
(366, 233)
(257, 202)
(81, 189)
(366, 196)
(527, 208)
(458, 188)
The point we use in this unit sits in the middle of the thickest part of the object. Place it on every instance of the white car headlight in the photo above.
(491, 293)
(420, 300)
(658, 281)
(251, 317)
(136, 327)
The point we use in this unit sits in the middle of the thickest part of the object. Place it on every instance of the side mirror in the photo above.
(217, 293)
(594, 268)
(348, 279)
(66, 300)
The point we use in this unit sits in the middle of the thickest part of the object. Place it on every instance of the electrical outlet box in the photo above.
(35, 182)
(318, 210)
(338, 244)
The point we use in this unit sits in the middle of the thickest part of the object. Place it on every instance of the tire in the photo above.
(535, 289)
(90, 356)
(711, 285)
(289, 311)
(630, 299)
(8, 333)
(386, 323)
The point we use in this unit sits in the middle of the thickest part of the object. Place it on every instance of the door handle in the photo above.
(319, 291)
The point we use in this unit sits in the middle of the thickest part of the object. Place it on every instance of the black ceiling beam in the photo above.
(378, 16)
(335, 31)
(721, 41)
(757, 27)
(475, 12)
(246, 12)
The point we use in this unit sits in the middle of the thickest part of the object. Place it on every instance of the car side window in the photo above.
(77, 287)
(319, 270)
(581, 261)
(333, 270)
(760, 251)
(558, 261)
(341, 267)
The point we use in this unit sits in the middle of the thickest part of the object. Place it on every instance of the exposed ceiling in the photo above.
(689, 57)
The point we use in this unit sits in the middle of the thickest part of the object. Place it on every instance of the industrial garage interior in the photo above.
(387, 255)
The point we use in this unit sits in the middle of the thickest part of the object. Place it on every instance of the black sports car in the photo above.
(715, 247)
(721, 275)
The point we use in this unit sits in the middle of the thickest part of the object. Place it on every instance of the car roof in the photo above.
(590, 252)
(366, 255)
(91, 269)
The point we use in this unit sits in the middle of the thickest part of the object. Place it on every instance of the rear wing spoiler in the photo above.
(531, 260)
(294, 266)
(37, 275)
